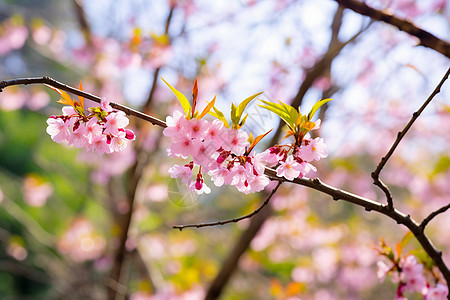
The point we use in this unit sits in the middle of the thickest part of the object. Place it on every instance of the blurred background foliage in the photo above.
(62, 210)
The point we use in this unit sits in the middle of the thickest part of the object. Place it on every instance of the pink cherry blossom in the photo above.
(58, 129)
(79, 138)
(195, 128)
(289, 169)
(174, 123)
(214, 133)
(235, 141)
(183, 172)
(313, 150)
(115, 121)
(98, 144)
(382, 270)
(271, 156)
(104, 104)
(117, 142)
(93, 129)
(439, 292)
(183, 146)
(258, 183)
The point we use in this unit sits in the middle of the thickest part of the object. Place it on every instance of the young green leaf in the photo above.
(241, 107)
(181, 98)
(405, 240)
(219, 115)
(234, 118)
(316, 107)
(282, 111)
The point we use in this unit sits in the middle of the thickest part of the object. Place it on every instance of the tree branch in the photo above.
(370, 205)
(426, 39)
(315, 184)
(75, 91)
(234, 220)
(376, 174)
(433, 214)
(156, 73)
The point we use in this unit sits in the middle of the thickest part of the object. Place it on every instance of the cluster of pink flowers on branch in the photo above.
(409, 274)
(225, 152)
(294, 160)
(101, 130)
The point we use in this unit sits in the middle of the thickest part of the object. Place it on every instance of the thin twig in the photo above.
(432, 215)
(376, 174)
(426, 38)
(235, 220)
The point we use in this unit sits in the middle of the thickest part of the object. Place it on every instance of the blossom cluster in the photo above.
(409, 275)
(102, 130)
(215, 149)
(223, 153)
(299, 163)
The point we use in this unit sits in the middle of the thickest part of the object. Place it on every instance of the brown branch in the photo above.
(370, 205)
(156, 73)
(426, 39)
(133, 182)
(241, 246)
(433, 214)
(258, 220)
(322, 66)
(75, 91)
(376, 174)
(234, 220)
(82, 21)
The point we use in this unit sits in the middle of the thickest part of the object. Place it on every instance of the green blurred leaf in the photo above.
(219, 115)
(181, 98)
(316, 107)
(405, 240)
(286, 112)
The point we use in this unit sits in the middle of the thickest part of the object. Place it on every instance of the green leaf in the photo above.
(284, 111)
(219, 115)
(234, 118)
(242, 122)
(316, 107)
(241, 107)
(181, 98)
(405, 240)
(291, 111)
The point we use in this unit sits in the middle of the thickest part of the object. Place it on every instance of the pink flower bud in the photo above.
(129, 135)
(198, 184)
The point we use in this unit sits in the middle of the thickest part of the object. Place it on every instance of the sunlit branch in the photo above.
(75, 91)
(376, 174)
(426, 38)
(370, 205)
(234, 220)
(316, 184)
(434, 214)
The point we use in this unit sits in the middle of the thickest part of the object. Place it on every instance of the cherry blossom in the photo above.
(439, 292)
(289, 169)
(102, 130)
